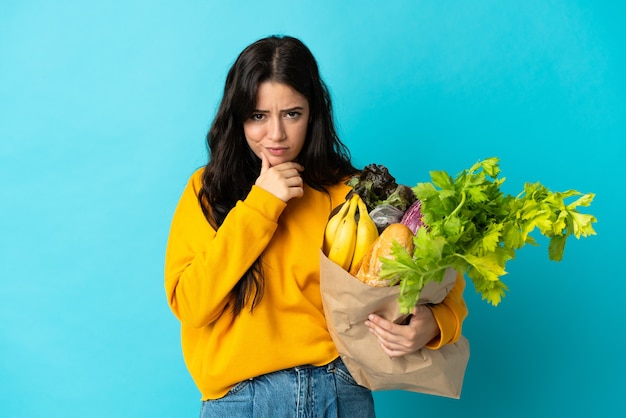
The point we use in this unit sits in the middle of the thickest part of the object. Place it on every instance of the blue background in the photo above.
(103, 110)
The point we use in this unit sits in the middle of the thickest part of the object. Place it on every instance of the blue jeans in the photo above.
(300, 392)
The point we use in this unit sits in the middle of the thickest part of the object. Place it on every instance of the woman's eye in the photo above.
(257, 116)
(293, 115)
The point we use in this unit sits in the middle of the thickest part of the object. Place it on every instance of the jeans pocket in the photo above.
(238, 387)
(342, 373)
(233, 391)
(236, 403)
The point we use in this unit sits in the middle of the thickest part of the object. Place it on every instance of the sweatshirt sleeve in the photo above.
(449, 315)
(203, 265)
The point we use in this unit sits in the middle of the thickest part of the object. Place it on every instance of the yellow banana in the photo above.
(332, 225)
(366, 234)
(342, 249)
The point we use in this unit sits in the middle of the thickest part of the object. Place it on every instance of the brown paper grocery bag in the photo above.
(347, 303)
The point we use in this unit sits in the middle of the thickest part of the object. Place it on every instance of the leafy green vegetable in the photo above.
(473, 227)
(378, 187)
(401, 198)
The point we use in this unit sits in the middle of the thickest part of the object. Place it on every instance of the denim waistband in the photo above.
(301, 391)
(328, 367)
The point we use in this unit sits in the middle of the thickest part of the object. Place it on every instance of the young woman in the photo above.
(242, 259)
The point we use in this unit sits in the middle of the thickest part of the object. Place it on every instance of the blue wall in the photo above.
(103, 110)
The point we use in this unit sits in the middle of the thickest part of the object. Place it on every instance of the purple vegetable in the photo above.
(413, 216)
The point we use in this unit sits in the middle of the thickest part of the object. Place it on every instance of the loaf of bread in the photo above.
(369, 268)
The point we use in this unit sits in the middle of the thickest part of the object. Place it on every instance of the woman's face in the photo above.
(278, 125)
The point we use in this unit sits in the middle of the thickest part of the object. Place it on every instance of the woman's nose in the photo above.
(276, 130)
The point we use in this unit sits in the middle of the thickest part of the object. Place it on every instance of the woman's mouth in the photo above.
(276, 151)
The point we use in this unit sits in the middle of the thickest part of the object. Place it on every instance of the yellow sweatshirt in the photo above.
(287, 328)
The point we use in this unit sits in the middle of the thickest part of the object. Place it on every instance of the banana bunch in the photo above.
(346, 240)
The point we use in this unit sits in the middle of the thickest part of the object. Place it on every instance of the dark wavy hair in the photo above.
(233, 167)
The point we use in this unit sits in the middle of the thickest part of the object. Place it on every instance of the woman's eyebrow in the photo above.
(289, 109)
